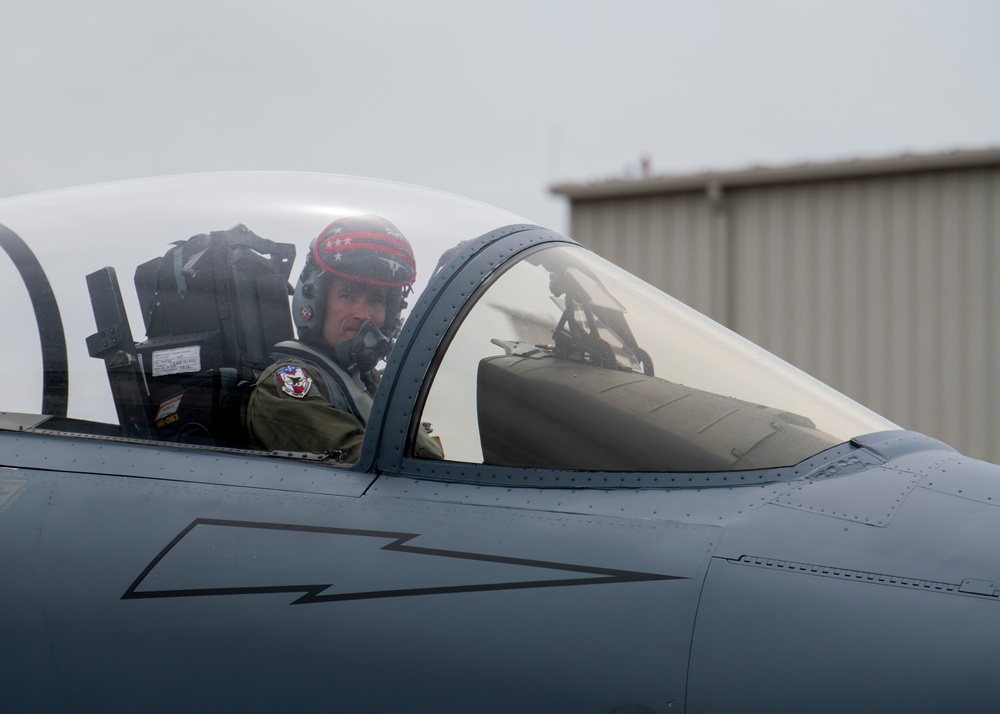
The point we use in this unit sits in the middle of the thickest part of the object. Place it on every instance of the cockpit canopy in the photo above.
(137, 309)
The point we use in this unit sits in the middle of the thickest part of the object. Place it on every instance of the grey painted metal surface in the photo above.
(184, 595)
(54, 451)
(878, 277)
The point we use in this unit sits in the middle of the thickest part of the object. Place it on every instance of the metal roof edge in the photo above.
(763, 175)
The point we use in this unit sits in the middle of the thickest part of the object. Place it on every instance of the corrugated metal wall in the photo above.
(672, 242)
(883, 287)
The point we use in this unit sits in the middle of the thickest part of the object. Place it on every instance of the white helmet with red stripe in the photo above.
(368, 249)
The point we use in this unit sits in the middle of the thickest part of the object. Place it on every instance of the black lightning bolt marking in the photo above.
(311, 593)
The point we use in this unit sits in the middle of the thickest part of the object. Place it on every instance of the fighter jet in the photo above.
(636, 510)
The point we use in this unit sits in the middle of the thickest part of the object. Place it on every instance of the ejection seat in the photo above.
(213, 306)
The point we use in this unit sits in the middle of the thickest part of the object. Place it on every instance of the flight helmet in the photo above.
(368, 249)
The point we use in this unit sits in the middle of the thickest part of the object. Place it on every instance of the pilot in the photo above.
(346, 307)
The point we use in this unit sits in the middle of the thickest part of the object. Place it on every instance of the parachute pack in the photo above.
(214, 306)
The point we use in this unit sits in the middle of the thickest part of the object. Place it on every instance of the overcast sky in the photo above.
(494, 100)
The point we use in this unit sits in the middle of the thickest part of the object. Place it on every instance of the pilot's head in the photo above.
(356, 276)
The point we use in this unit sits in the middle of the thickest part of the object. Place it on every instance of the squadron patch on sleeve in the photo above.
(294, 381)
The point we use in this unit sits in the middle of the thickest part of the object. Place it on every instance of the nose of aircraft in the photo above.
(866, 586)
(902, 505)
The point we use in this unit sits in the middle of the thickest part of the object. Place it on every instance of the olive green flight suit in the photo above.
(317, 416)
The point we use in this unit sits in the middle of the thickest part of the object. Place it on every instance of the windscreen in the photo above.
(566, 361)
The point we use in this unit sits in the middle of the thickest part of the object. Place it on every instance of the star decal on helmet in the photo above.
(331, 244)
